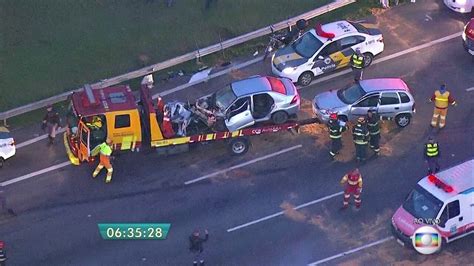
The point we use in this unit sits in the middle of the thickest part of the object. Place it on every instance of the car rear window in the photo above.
(4, 135)
(277, 85)
(360, 28)
(404, 97)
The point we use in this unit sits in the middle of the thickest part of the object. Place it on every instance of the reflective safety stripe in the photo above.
(360, 142)
(335, 137)
(353, 183)
(375, 133)
(441, 99)
(432, 149)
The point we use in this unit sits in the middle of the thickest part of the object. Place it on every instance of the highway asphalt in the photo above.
(58, 211)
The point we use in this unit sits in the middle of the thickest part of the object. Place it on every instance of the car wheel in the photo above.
(343, 118)
(2, 161)
(279, 117)
(403, 120)
(239, 146)
(305, 78)
(368, 59)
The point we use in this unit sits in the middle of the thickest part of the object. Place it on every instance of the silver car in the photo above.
(255, 99)
(390, 97)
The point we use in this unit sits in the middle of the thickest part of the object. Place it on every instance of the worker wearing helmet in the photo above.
(360, 134)
(373, 126)
(357, 64)
(442, 99)
(354, 187)
(105, 152)
(335, 133)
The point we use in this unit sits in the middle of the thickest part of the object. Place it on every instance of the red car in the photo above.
(468, 37)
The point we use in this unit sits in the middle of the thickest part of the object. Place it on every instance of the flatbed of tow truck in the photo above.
(130, 123)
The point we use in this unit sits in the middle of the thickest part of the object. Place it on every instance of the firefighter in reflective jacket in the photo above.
(354, 186)
(431, 155)
(357, 64)
(373, 126)
(442, 99)
(3, 256)
(360, 134)
(335, 134)
(105, 151)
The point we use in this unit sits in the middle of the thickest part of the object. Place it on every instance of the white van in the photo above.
(461, 6)
(444, 201)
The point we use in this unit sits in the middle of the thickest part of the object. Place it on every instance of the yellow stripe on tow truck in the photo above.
(168, 142)
(73, 159)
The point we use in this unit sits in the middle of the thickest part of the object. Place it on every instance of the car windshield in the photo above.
(360, 28)
(351, 94)
(307, 45)
(421, 204)
(224, 98)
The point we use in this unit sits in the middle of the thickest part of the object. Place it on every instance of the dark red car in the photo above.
(468, 37)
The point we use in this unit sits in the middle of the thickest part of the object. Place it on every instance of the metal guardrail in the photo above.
(178, 60)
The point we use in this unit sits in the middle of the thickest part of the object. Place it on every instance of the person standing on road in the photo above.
(335, 134)
(105, 151)
(3, 256)
(51, 122)
(360, 135)
(431, 155)
(442, 99)
(354, 187)
(357, 64)
(3, 204)
(373, 125)
(195, 246)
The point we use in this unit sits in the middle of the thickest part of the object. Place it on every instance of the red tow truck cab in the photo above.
(468, 37)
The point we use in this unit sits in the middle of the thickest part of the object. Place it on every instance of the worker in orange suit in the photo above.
(105, 152)
(442, 99)
(354, 186)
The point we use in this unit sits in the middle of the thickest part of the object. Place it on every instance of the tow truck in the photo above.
(115, 113)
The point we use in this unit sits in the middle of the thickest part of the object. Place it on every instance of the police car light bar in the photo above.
(437, 182)
(320, 32)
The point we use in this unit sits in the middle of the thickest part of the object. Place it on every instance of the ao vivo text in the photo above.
(428, 221)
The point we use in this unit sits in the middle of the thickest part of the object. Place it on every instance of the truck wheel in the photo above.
(403, 120)
(279, 117)
(305, 78)
(239, 146)
(2, 161)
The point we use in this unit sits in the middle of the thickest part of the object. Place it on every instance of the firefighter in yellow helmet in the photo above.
(442, 99)
(105, 151)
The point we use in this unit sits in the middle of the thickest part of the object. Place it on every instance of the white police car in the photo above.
(7, 145)
(325, 49)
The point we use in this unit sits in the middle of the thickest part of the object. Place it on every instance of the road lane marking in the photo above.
(470, 89)
(255, 60)
(39, 138)
(352, 251)
(268, 156)
(33, 174)
(282, 212)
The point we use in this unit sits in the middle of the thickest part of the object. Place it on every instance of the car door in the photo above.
(347, 46)
(451, 219)
(84, 143)
(322, 61)
(389, 104)
(239, 115)
(361, 107)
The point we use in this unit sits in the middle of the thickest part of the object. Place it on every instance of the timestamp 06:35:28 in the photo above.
(134, 231)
